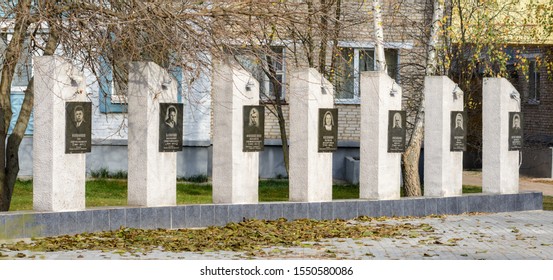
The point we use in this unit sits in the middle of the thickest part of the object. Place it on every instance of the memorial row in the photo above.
(63, 136)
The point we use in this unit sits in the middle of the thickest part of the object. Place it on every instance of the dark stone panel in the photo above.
(132, 217)
(327, 210)
(363, 208)
(462, 204)
(288, 211)
(221, 215)
(397, 208)
(264, 211)
(508, 203)
(538, 200)
(235, 213)
(374, 208)
(100, 220)
(155, 217)
(2, 226)
(69, 223)
(192, 216)
(477, 203)
(47, 224)
(16, 224)
(178, 217)
(494, 202)
(430, 206)
(207, 215)
(276, 211)
(452, 205)
(315, 210)
(339, 210)
(301, 210)
(408, 207)
(117, 219)
(441, 208)
(349, 209)
(249, 211)
(386, 208)
(419, 207)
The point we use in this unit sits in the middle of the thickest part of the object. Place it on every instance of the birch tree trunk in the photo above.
(379, 36)
(410, 158)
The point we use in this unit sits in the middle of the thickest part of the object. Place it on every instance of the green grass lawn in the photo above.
(113, 192)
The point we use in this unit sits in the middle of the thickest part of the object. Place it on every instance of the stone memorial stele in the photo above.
(235, 167)
(381, 138)
(59, 173)
(501, 136)
(152, 177)
(310, 170)
(443, 168)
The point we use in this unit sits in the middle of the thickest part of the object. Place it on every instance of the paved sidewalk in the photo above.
(503, 236)
(545, 186)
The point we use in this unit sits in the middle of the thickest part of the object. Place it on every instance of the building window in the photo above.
(353, 61)
(533, 83)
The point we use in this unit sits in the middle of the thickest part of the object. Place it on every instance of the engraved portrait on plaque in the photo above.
(396, 131)
(253, 128)
(328, 130)
(78, 128)
(515, 131)
(170, 127)
(458, 139)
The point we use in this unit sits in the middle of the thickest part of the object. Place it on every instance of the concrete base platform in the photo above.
(25, 224)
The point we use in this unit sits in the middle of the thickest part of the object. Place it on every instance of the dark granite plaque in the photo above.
(254, 128)
(78, 129)
(170, 127)
(515, 131)
(458, 140)
(328, 130)
(396, 131)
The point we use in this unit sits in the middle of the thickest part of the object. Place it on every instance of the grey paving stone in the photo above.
(249, 211)
(288, 211)
(221, 217)
(178, 217)
(315, 210)
(69, 223)
(264, 211)
(100, 220)
(235, 213)
(117, 219)
(132, 217)
(155, 217)
(386, 208)
(397, 208)
(207, 215)
(301, 210)
(430, 206)
(327, 211)
(192, 216)
(276, 211)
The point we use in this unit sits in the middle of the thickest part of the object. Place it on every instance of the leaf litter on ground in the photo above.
(248, 236)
